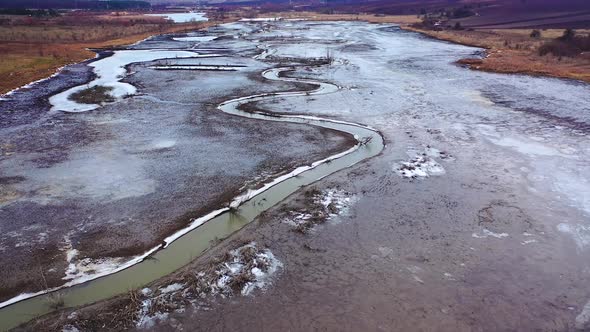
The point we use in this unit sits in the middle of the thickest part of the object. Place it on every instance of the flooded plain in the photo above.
(474, 217)
(87, 188)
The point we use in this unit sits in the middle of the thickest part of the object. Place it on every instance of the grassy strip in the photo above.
(94, 95)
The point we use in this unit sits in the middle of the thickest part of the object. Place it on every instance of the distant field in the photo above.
(71, 33)
(514, 14)
(506, 14)
(528, 20)
(373, 18)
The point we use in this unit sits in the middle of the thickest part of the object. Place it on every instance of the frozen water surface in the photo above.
(400, 80)
(109, 72)
(183, 17)
(195, 38)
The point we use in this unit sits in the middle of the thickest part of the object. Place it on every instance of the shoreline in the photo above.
(495, 59)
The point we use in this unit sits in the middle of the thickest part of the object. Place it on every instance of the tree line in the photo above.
(24, 5)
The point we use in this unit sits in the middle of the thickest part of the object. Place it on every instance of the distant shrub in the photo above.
(569, 45)
(535, 34)
(462, 12)
(94, 95)
(559, 48)
(568, 34)
(27, 12)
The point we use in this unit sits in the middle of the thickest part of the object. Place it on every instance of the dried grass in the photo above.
(119, 315)
(514, 51)
(94, 95)
(32, 51)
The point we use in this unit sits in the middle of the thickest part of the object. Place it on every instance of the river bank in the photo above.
(513, 51)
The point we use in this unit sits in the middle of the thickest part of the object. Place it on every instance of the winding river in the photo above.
(183, 246)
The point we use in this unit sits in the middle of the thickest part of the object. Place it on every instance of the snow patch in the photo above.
(171, 288)
(422, 164)
(245, 269)
(322, 206)
(336, 202)
(487, 233)
(147, 320)
(195, 38)
(259, 268)
(385, 252)
(183, 17)
(583, 318)
(419, 166)
(261, 19)
(164, 144)
(580, 233)
(70, 328)
(198, 67)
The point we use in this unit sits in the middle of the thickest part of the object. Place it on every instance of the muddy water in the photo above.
(222, 222)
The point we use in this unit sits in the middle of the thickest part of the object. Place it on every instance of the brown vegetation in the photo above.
(34, 48)
(516, 51)
(569, 45)
(94, 95)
